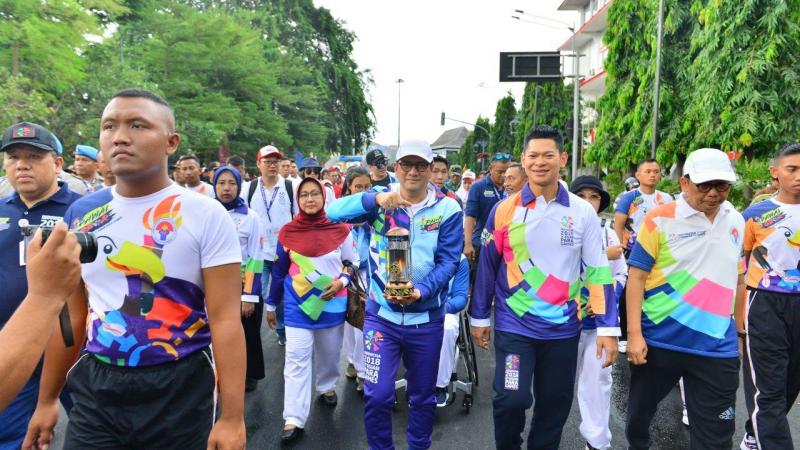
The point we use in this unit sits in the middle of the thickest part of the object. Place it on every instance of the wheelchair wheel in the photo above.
(470, 361)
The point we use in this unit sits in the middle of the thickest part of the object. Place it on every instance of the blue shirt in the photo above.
(483, 195)
(12, 273)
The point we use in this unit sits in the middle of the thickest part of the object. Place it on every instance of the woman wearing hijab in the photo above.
(309, 277)
(227, 184)
(357, 180)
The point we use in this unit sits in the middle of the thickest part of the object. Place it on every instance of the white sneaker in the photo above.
(623, 346)
(748, 442)
(685, 418)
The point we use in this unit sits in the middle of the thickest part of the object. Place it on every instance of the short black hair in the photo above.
(792, 148)
(286, 158)
(188, 157)
(440, 159)
(647, 161)
(545, 132)
(352, 173)
(236, 160)
(141, 93)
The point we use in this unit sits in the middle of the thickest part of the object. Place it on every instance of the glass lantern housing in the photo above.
(398, 263)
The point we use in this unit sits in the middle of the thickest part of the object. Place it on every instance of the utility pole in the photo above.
(399, 82)
(576, 144)
(656, 88)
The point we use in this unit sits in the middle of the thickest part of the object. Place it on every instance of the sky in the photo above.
(447, 53)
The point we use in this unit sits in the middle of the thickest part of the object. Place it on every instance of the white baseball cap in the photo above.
(268, 151)
(707, 164)
(468, 174)
(415, 148)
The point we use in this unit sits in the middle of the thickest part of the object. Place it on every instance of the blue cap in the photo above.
(310, 163)
(87, 151)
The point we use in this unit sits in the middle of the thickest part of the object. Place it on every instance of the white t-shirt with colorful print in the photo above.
(146, 295)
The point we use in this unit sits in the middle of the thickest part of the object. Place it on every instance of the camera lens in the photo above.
(88, 245)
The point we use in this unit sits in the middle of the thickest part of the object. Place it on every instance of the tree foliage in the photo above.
(502, 137)
(554, 108)
(730, 79)
(239, 74)
(468, 154)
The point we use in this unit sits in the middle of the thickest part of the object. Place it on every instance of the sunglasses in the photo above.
(502, 156)
(719, 186)
(312, 170)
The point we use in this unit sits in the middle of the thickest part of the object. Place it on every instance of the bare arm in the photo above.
(223, 294)
(619, 226)
(637, 348)
(469, 228)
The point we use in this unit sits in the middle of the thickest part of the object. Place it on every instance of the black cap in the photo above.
(592, 182)
(375, 157)
(28, 133)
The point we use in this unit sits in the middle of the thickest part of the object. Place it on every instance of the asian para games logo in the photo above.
(567, 231)
(372, 340)
(512, 362)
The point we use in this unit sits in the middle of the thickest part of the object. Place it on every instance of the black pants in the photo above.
(252, 339)
(547, 365)
(710, 385)
(167, 406)
(773, 358)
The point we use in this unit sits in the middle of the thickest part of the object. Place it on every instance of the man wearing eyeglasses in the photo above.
(411, 327)
(378, 172)
(686, 274)
(483, 195)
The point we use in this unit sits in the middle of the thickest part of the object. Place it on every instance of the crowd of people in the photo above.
(168, 317)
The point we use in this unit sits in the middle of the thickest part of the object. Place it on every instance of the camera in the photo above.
(87, 241)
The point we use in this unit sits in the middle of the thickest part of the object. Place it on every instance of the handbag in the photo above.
(356, 298)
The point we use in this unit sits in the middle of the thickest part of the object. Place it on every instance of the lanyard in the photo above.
(268, 206)
(497, 193)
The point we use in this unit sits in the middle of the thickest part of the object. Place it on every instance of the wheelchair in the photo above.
(465, 357)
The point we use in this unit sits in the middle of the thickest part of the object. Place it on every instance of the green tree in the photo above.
(553, 108)
(468, 153)
(20, 100)
(745, 76)
(502, 137)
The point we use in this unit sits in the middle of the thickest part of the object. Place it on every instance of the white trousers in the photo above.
(447, 356)
(302, 347)
(594, 392)
(354, 348)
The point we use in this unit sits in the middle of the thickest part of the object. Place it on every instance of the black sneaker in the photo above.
(589, 447)
(441, 397)
(329, 400)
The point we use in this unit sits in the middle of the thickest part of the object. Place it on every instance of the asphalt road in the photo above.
(342, 428)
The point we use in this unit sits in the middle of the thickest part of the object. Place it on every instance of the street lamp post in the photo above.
(656, 92)
(399, 82)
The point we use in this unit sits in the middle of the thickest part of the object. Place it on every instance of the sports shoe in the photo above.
(350, 372)
(360, 385)
(281, 340)
(685, 419)
(441, 397)
(748, 442)
(623, 346)
(589, 447)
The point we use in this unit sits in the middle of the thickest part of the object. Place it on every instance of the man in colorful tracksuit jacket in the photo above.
(412, 332)
(530, 265)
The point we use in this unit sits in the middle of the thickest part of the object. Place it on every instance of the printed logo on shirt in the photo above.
(94, 220)
(567, 231)
(770, 218)
(372, 360)
(4, 223)
(488, 193)
(735, 237)
(49, 221)
(164, 220)
(486, 236)
(675, 237)
(430, 224)
(728, 414)
(511, 381)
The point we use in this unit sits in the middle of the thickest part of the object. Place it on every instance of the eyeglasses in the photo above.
(407, 166)
(315, 171)
(380, 166)
(305, 195)
(719, 186)
(502, 156)
(270, 162)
